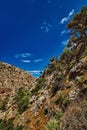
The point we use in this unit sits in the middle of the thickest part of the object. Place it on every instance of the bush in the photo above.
(20, 127)
(4, 104)
(67, 101)
(80, 80)
(22, 99)
(60, 99)
(67, 55)
(6, 125)
(59, 115)
(52, 125)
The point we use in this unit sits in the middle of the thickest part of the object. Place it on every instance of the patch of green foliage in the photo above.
(66, 101)
(6, 125)
(62, 101)
(20, 127)
(80, 80)
(67, 54)
(59, 115)
(83, 102)
(22, 99)
(4, 104)
(59, 100)
(52, 125)
(54, 65)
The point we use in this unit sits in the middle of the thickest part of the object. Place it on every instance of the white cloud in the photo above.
(65, 42)
(63, 32)
(72, 12)
(65, 19)
(26, 61)
(22, 55)
(38, 60)
(46, 27)
(34, 71)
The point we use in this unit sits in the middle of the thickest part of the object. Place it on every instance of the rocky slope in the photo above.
(11, 80)
(57, 100)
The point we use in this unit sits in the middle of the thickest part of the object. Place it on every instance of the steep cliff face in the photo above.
(57, 100)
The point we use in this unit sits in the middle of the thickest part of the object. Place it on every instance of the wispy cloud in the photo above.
(38, 60)
(65, 42)
(63, 32)
(72, 12)
(22, 55)
(26, 61)
(65, 19)
(46, 27)
(34, 71)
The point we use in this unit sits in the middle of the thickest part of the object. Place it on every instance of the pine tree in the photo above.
(78, 28)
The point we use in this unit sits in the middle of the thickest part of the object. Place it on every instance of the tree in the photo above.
(78, 27)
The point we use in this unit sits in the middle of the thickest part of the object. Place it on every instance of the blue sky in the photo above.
(33, 31)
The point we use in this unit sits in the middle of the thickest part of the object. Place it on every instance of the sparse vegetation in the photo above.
(66, 55)
(59, 115)
(4, 104)
(22, 99)
(63, 101)
(80, 80)
(6, 125)
(66, 101)
(20, 127)
(52, 125)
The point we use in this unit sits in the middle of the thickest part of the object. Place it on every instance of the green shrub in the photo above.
(6, 125)
(80, 80)
(66, 101)
(62, 101)
(59, 100)
(67, 54)
(59, 115)
(20, 127)
(4, 104)
(52, 125)
(50, 70)
(22, 99)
